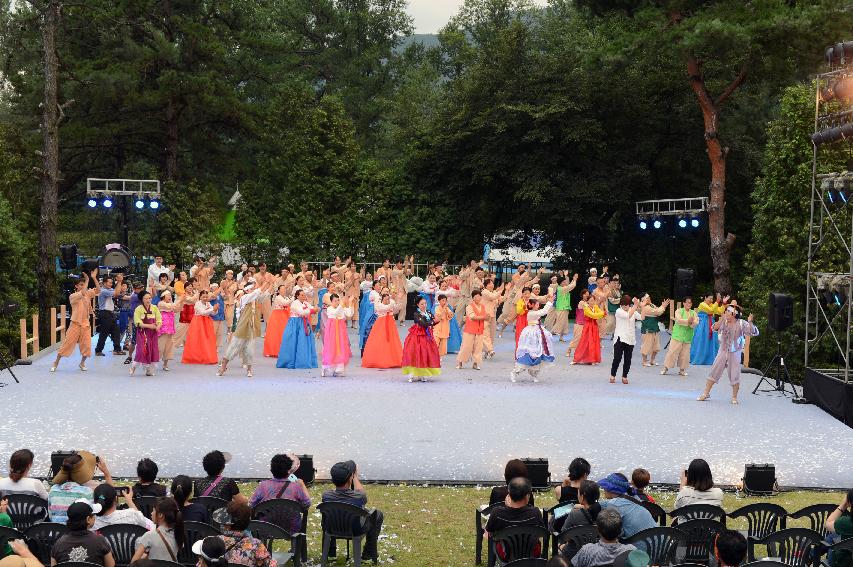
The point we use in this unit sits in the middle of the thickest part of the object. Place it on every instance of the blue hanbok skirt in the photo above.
(298, 349)
(454, 341)
(704, 347)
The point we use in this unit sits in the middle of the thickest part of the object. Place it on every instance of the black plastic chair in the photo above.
(212, 503)
(194, 531)
(798, 547)
(10, 533)
(343, 521)
(122, 539)
(528, 562)
(145, 504)
(765, 563)
(762, 519)
(519, 542)
(700, 534)
(575, 538)
(41, 537)
(816, 515)
(660, 543)
(26, 510)
(658, 513)
(164, 563)
(479, 530)
(281, 512)
(268, 533)
(845, 546)
(698, 512)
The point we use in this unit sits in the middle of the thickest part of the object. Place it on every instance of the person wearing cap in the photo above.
(635, 518)
(283, 484)
(75, 482)
(82, 544)
(605, 550)
(215, 484)
(733, 332)
(106, 499)
(349, 490)
(210, 551)
(241, 548)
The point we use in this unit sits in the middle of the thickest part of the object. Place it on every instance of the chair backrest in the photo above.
(164, 563)
(268, 533)
(658, 513)
(575, 538)
(700, 539)
(26, 510)
(145, 504)
(341, 520)
(41, 537)
(765, 563)
(519, 542)
(282, 512)
(212, 503)
(78, 564)
(816, 515)
(194, 531)
(659, 543)
(795, 545)
(762, 519)
(527, 562)
(699, 512)
(122, 539)
(479, 513)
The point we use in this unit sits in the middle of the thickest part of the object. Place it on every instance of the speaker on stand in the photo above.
(780, 316)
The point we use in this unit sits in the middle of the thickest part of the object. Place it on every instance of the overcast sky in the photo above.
(431, 15)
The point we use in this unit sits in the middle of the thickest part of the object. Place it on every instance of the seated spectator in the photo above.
(283, 484)
(167, 539)
(75, 481)
(242, 549)
(82, 544)
(17, 482)
(215, 484)
(588, 508)
(557, 561)
(640, 479)
(514, 468)
(697, 486)
(349, 490)
(635, 518)
(839, 526)
(605, 550)
(147, 470)
(730, 548)
(182, 488)
(21, 556)
(211, 552)
(5, 522)
(106, 497)
(579, 470)
(516, 511)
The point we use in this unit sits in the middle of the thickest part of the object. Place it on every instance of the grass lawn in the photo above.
(434, 526)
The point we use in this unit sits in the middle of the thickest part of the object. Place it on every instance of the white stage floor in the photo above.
(452, 428)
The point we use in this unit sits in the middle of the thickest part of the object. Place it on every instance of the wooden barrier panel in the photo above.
(34, 340)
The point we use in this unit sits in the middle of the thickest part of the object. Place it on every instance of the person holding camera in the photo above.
(106, 497)
(283, 484)
(349, 490)
(733, 332)
(74, 482)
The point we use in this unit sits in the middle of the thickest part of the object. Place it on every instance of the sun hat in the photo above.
(614, 483)
(82, 472)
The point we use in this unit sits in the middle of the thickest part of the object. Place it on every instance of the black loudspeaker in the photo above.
(685, 281)
(306, 470)
(759, 479)
(537, 472)
(68, 256)
(781, 313)
(56, 459)
(89, 265)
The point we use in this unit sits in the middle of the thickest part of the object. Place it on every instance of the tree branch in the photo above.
(738, 81)
(697, 83)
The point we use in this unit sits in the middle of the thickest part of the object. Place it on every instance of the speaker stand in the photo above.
(783, 379)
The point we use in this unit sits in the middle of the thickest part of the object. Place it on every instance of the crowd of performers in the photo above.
(457, 314)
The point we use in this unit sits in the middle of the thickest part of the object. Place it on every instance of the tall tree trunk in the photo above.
(45, 268)
(171, 140)
(721, 241)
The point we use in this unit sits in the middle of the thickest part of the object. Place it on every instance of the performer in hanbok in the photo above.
(588, 350)
(472, 337)
(220, 331)
(336, 347)
(678, 353)
(534, 346)
(705, 344)
(248, 329)
(580, 321)
(428, 291)
(166, 332)
(277, 321)
(442, 318)
(367, 316)
(79, 333)
(612, 305)
(420, 358)
(189, 298)
(650, 329)
(200, 347)
(733, 332)
(562, 306)
(264, 301)
(399, 285)
(229, 289)
(382, 349)
(297, 344)
(148, 321)
(521, 313)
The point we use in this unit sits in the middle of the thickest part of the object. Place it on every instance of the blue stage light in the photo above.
(657, 224)
(108, 203)
(694, 223)
(154, 204)
(643, 225)
(682, 223)
(140, 204)
(92, 203)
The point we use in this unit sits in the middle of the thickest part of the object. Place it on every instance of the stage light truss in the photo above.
(146, 192)
(687, 210)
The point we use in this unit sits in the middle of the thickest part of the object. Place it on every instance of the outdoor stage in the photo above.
(449, 429)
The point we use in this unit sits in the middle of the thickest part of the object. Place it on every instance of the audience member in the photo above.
(515, 468)
(557, 561)
(729, 548)
(82, 544)
(106, 497)
(182, 488)
(516, 511)
(283, 484)
(215, 484)
(166, 540)
(5, 522)
(579, 470)
(697, 486)
(211, 552)
(147, 470)
(640, 479)
(635, 518)
(18, 482)
(241, 548)
(75, 481)
(21, 556)
(605, 550)
(588, 508)
(839, 525)
(349, 490)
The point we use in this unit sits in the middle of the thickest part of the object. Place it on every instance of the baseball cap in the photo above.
(210, 548)
(615, 483)
(81, 509)
(342, 471)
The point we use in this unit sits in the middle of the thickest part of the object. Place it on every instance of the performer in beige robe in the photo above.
(491, 297)
(650, 329)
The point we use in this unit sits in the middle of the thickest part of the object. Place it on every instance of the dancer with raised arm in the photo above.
(166, 332)
(298, 349)
(248, 329)
(277, 321)
(79, 333)
(625, 336)
(682, 336)
(705, 344)
(383, 349)
(534, 346)
(733, 332)
(200, 347)
(589, 346)
(336, 346)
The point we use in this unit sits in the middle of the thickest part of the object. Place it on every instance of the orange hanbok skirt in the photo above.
(275, 331)
(383, 348)
(200, 344)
